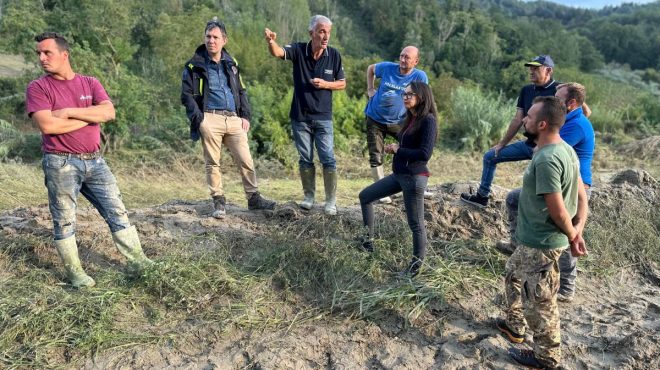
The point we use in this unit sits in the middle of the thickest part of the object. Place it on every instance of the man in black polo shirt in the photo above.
(317, 71)
(540, 74)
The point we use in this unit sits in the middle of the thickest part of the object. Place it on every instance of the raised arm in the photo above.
(273, 47)
(101, 113)
(371, 78)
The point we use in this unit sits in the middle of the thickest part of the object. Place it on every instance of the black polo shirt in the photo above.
(529, 92)
(310, 103)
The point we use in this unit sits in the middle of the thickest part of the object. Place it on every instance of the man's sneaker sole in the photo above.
(512, 336)
(473, 203)
(219, 214)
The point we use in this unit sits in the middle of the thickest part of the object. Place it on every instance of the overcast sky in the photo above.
(596, 4)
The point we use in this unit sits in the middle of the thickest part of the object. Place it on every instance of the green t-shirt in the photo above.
(554, 169)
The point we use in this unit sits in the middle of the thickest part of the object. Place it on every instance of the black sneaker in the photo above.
(219, 203)
(412, 270)
(511, 335)
(368, 246)
(256, 201)
(475, 199)
(527, 358)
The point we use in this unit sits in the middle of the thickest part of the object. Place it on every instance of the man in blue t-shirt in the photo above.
(385, 108)
(317, 72)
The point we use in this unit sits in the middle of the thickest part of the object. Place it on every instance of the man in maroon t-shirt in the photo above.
(68, 109)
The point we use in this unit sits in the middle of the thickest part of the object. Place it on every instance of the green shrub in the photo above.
(476, 119)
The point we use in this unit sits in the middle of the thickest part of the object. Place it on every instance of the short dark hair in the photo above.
(553, 111)
(213, 23)
(574, 91)
(61, 42)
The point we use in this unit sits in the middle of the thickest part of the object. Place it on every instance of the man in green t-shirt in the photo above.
(552, 213)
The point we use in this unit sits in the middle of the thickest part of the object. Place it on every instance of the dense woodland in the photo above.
(472, 50)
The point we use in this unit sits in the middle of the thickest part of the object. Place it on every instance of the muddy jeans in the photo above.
(376, 134)
(308, 134)
(532, 282)
(567, 263)
(216, 130)
(413, 187)
(66, 177)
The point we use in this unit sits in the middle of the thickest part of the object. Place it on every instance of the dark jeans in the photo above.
(518, 151)
(413, 187)
(376, 134)
(66, 177)
(567, 263)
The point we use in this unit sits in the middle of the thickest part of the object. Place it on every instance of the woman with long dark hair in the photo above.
(410, 172)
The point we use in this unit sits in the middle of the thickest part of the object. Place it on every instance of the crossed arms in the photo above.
(66, 120)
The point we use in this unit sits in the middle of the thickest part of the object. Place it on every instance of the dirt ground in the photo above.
(612, 324)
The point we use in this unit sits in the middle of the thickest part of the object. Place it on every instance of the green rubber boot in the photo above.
(308, 179)
(68, 251)
(330, 184)
(128, 243)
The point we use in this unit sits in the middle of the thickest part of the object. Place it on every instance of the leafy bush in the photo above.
(477, 118)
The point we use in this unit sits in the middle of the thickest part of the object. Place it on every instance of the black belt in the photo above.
(221, 112)
(85, 156)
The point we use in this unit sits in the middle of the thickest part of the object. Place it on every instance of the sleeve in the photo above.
(195, 116)
(521, 99)
(291, 52)
(98, 92)
(378, 70)
(548, 177)
(424, 77)
(427, 131)
(339, 69)
(243, 96)
(571, 133)
(36, 99)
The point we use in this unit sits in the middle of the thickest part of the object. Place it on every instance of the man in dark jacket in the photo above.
(219, 113)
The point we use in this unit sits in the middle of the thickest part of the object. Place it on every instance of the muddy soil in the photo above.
(612, 324)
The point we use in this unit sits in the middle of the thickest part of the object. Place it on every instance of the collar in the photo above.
(544, 87)
(575, 113)
(308, 50)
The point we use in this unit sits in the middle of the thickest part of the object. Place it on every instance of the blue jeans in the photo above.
(66, 177)
(413, 187)
(515, 152)
(567, 263)
(309, 133)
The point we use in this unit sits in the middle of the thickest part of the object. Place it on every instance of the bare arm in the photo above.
(51, 125)
(101, 113)
(560, 215)
(586, 110)
(580, 218)
(273, 47)
(514, 126)
(371, 77)
(320, 83)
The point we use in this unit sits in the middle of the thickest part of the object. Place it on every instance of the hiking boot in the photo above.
(511, 335)
(428, 194)
(565, 297)
(527, 358)
(386, 200)
(475, 199)
(256, 201)
(219, 203)
(506, 247)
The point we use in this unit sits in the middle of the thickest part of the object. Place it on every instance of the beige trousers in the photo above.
(217, 130)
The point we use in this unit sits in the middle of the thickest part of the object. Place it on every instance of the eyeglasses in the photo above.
(408, 95)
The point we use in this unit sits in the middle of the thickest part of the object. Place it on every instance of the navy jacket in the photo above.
(195, 87)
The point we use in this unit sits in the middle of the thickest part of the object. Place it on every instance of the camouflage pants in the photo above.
(532, 282)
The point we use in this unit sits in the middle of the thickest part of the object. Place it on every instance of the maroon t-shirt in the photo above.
(48, 93)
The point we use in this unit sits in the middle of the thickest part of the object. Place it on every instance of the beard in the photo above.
(531, 138)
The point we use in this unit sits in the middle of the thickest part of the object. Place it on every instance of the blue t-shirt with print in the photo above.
(387, 105)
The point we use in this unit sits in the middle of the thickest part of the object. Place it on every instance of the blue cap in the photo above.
(541, 60)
